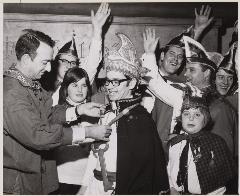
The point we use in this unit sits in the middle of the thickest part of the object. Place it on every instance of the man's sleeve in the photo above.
(158, 86)
(29, 127)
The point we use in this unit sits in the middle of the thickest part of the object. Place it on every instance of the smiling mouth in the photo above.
(224, 87)
(173, 64)
(111, 92)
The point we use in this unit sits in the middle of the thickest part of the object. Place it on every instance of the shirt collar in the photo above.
(24, 80)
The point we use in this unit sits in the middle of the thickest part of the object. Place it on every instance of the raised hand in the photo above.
(149, 41)
(99, 19)
(202, 19)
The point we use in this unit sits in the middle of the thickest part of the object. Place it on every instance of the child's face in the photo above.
(77, 91)
(192, 120)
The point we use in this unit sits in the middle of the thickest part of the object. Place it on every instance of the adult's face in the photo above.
(195, 75)
(172, 60)
(65, 62)
(223, 81)
(41, 63)
(117, 90)
(77, 91)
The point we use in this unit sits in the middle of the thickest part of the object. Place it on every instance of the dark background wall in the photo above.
(169, 19)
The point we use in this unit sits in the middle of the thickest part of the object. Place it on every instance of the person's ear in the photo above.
(26, 59)
(132, 83)
(162, 56)
(207, 73)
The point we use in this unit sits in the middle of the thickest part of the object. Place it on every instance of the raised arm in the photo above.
(202, 21)
(157, 85)
(95, 51)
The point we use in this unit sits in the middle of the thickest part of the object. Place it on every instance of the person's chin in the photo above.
(223, 91)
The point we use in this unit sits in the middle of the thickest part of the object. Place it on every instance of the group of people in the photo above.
(158, 132)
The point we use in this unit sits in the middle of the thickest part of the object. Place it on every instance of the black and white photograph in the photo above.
(120, 98)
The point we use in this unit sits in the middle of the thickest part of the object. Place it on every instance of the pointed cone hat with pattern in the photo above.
(178, 40)
(125, 59)
(195, 53)
(228, 62)
(69, 48)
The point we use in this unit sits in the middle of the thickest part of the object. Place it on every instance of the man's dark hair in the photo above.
(29, 42)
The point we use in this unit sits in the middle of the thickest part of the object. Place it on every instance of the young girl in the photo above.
(72, 160)
(199, 161)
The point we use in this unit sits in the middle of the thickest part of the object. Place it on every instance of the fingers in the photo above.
(92, 15)
(150, 33)
(100, 8)
(201, 11)
(144, 37)
(104, 9)
(205, 11)
(196, 14)
(210, 20)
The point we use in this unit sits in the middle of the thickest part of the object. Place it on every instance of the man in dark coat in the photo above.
(134, 161)
(29, 134)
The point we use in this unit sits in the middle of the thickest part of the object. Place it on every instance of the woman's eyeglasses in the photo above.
(115, 83)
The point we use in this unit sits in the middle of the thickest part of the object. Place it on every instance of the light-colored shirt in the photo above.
(94, 186)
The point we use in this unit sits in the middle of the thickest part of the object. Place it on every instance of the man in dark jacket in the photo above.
(134, 162)
(29, 134)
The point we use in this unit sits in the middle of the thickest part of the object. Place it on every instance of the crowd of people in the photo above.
(159, 131)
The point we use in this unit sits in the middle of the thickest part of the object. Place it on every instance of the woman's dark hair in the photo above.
(73, 75)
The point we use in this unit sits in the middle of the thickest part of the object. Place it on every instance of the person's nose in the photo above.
(80, 88)
(225, 81)
(186, 73)
(191, 117)
(48, 67)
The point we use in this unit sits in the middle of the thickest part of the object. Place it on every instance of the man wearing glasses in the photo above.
(67, 56)
(134, 160)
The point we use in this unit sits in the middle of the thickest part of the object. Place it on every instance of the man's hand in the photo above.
(202, 19)
(99, 19)
(90, 109)
(98, 132)
(149, 41)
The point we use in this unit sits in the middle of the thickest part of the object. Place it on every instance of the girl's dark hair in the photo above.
(73, 75)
